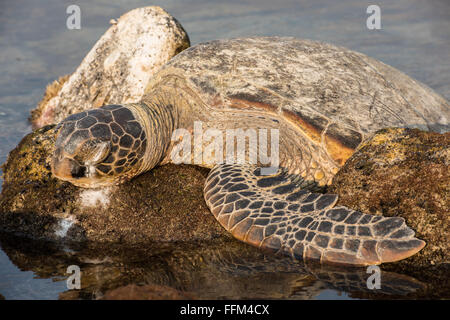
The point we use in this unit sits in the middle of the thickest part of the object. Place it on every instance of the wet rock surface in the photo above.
(405, 173)
(118, 67)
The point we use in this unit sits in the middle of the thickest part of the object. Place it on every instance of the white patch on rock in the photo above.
(111, 59)
(63, 226)
(95, 197)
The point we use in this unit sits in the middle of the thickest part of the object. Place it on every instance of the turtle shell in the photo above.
(315, 81)
(335, 96)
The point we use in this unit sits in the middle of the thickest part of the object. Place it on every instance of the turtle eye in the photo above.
(93, 152)
(100, 151)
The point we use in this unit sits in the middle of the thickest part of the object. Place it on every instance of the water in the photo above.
(36, 48)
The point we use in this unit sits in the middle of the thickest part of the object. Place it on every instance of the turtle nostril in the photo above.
(78, 171)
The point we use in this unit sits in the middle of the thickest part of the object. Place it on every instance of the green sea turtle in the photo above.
(322, 100)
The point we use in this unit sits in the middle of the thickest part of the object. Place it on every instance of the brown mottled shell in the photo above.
(336, 96)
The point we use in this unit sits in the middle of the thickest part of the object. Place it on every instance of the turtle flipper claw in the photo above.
(395, 250)
(272, 213)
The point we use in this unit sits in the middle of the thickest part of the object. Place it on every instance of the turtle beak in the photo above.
(67, 169)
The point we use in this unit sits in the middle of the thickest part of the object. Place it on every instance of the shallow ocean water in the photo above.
(36, 48)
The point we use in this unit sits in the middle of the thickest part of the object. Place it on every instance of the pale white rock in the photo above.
(89, 198)
(63, 226)
(118, 67)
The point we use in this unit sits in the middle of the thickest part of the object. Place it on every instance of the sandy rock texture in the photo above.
(118, 67)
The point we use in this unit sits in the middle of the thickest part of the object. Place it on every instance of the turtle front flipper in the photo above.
(276, 212)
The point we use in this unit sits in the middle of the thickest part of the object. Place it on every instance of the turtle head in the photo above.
(99, 147)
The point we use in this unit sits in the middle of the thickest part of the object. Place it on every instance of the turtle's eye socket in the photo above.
(93, 152)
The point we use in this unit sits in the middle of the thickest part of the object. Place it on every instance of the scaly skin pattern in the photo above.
(111, 134)
(112, 144)
(277, 212)
(263, 83)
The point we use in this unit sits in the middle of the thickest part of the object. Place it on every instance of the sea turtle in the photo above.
(321, 101)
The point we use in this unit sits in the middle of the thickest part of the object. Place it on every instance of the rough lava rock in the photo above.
(118, 67)
(405, 172)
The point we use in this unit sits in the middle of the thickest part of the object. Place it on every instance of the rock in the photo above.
(156, 206)
(405, 172)
(117, 68)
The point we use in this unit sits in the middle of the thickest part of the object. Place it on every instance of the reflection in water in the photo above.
(214, 270)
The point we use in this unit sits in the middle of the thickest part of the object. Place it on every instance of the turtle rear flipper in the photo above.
(275, 212)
